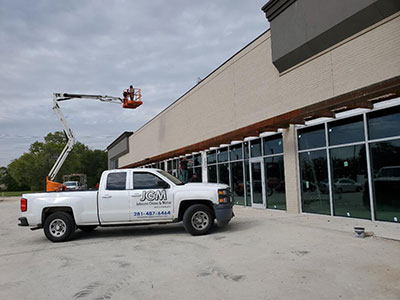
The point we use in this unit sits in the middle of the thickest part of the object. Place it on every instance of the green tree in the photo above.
(32, 168)
(9, 181)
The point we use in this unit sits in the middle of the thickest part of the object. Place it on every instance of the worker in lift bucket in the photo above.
(131, 92)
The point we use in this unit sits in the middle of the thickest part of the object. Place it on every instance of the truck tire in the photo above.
(198, 219)
(87, 228)
(59, 226)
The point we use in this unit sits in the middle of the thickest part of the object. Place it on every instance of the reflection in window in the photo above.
(223, 171)
(189, 161)
(222, 154)
(314, 182)
(384, 123)
(275, 182)
(255, 147)
(311, 137)
(350, 182)
(237, 182)
(256, 182)
(236, 152)
(346, 131)
(273, 144)
(211, 157)
(247, 181)
(212, 173)
(142, 181)
(197, 160)
(196, 175)
(385, 163)
(116, 181)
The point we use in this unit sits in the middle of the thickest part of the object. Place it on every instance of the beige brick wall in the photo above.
(291, 173)
(248, 88)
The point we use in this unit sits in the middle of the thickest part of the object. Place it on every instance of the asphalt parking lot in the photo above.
(260, 255)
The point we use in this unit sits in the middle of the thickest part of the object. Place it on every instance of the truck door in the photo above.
(114, 199)
(151, 198)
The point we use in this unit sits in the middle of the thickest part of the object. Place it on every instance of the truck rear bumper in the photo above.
(23, 221)
(223, 213)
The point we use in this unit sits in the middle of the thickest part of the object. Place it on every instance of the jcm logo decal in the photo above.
(158, 195)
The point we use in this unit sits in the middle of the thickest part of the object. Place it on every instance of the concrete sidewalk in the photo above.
(375, 229)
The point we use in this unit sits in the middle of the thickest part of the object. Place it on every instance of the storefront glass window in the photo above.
(314, 182)
(255, 147)
(223, 170)
(346, 131)
(211, 157)
(275, 182)
(247, 181)
(311, 137)
(385, 163)
(197, 160)
(222, 154)
(237, 183)
(273, 145)
(198, 173)
(350, 182)
(212, 173)
(236, 152)
(384, 123)
(190, 161)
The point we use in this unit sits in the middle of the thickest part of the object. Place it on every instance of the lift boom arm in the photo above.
(57, 97)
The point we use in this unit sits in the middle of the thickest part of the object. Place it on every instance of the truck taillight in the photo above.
(24, 204)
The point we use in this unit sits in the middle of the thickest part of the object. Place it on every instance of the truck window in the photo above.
(144, 181)
(116, 181)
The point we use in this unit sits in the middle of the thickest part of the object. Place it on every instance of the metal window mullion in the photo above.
(309, 150)
(272, 155)
(369, 169)
(346, 145)
(385, 139)
(328, 161)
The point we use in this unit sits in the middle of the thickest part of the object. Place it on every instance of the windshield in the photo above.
(170, 177)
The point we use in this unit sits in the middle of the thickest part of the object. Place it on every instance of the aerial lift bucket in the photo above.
(52, 186)
(132, 100)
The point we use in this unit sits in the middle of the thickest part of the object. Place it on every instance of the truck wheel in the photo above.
(59, 226)
(87, 228)
(198, 219)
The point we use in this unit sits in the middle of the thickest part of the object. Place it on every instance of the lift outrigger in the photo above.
(132, 98)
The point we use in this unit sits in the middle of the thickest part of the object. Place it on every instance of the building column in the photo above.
(291, 171)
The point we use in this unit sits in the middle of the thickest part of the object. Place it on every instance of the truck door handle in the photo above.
(135, 194)
(107, 196)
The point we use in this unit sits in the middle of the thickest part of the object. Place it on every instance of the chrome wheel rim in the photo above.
(200, 220)
(57, 227)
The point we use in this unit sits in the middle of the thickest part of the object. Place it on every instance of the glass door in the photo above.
(257, 183)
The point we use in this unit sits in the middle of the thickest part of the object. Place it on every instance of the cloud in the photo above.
(100, 47)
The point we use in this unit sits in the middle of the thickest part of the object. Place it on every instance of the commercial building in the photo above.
(305, 118)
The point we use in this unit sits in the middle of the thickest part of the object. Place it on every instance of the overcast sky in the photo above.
(100, 47)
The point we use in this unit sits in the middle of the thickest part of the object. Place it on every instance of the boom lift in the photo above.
(130, 100)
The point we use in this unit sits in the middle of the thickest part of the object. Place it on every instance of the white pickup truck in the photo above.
(128, 197)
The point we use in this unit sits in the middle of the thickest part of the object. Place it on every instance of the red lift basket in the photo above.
(132, 100)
